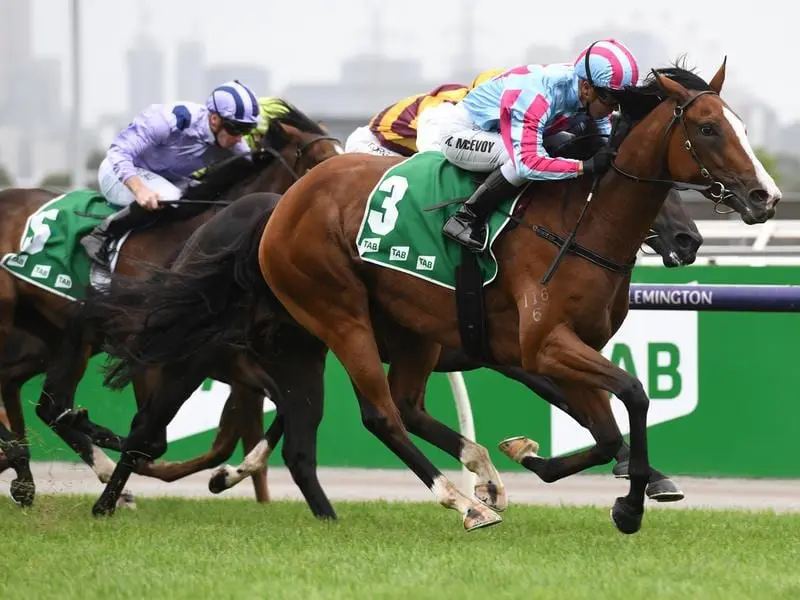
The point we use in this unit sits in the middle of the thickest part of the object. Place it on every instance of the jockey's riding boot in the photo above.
(113, 227)
(468, 226)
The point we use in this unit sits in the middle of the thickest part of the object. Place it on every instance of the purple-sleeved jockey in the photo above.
(163, 146)
(166, 143)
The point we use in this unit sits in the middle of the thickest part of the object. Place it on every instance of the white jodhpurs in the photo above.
(117, 193)
(363, 140)
(463, 143)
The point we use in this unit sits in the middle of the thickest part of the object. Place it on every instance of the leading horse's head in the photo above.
(705, 144)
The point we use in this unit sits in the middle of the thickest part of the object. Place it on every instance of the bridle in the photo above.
(714, 189)
(299, 154)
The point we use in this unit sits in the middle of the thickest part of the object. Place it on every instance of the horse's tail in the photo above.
(203, 303)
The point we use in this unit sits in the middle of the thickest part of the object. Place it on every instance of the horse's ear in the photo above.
(716, 81)
(671, 87)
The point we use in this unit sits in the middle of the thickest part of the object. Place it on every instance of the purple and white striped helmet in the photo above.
(234, 101)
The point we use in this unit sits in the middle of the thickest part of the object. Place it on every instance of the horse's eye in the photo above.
(707, 130)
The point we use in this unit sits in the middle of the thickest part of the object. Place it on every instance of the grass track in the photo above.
(177, 548)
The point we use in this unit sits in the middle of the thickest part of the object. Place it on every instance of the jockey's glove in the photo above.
(600, 162)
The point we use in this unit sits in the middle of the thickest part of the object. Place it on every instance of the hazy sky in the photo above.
(306, 40)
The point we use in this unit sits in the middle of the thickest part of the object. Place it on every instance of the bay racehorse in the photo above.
(683, 134)
(33, 321)
(205, 315)
(674, 236)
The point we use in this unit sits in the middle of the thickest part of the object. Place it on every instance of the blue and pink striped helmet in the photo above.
(609, 65)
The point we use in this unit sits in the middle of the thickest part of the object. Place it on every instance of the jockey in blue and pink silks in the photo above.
(499, 127)
(154, 157)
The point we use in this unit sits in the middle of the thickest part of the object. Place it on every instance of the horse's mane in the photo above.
(216, 181)
(636, 102)
(287, 113)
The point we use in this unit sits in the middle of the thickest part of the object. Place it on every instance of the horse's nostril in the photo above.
(759, 195)
(685, 241)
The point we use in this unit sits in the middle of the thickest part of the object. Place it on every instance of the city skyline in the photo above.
(341, 67)
(304, 42)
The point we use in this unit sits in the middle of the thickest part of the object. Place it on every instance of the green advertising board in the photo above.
(723, 389)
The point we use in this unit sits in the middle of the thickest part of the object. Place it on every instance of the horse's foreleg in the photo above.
(594, 407)
(55, 408)
(15, 447)
(566, 358)
(659, 488)
(298, 376)
(148, 437)
(227, 476)
(250, 426)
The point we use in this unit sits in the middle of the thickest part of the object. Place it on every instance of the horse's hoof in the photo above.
(492, 495)
(664, 490)
(218, 482)
(620, 470)
(103, 508)
(517, 448)
(477, 518)
(126, 500)
(22, 492)
(626, 518)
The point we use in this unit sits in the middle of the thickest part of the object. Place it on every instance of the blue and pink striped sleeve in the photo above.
(523, 117)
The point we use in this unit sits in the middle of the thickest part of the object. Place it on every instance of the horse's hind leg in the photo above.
(330, 301)
(410, 367)
(227, 476)
(15, 451)
(566, 358)
(221, 450)
(489, 488)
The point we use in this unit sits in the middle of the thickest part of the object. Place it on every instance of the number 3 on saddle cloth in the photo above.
(400, 232)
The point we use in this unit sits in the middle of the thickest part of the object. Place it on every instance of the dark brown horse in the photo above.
(32, 321)
(685, 134)
(210, 313)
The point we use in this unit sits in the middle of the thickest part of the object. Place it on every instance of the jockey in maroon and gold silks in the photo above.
(395, 127)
